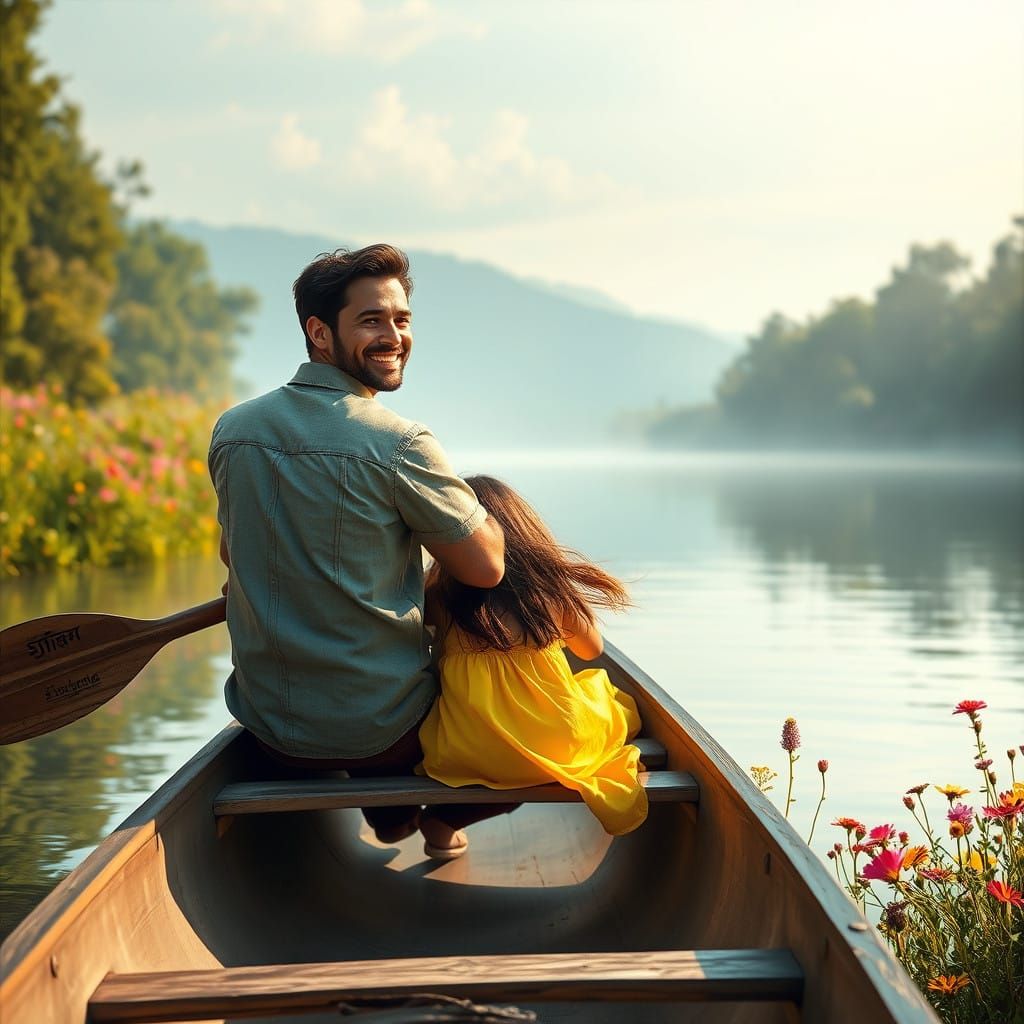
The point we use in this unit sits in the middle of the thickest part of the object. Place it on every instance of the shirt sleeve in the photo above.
(430, 498)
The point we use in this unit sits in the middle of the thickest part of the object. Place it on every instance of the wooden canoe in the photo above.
(233, 893)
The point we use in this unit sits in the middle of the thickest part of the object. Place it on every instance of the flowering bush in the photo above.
(950, 907)
(124, 482)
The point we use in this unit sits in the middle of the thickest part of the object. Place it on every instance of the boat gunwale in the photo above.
(71, 897)
(851, 929)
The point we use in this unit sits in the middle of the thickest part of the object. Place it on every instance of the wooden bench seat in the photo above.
(669, 976)
(329, 793)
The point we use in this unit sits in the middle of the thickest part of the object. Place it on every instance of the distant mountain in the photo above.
(498, 361)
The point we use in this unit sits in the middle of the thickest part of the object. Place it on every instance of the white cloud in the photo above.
(291, 148)
(397, 147)
(382, 31)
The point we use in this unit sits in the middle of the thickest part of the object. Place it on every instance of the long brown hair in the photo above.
(544, 583)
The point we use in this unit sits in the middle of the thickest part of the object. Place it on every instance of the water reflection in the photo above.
(915, 533)
(64, 791)
(867, 600)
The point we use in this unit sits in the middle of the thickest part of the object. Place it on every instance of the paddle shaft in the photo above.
(58, 668)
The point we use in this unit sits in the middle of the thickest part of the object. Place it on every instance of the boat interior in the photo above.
(238, 893)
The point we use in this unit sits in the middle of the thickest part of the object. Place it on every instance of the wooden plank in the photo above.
(668, 976)
(323, 794)
(652, 753)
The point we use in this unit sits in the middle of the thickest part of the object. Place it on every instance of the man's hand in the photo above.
(477, 561)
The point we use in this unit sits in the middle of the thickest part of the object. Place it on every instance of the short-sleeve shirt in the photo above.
(325, 496)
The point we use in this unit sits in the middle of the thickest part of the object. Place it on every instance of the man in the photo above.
(325, 498)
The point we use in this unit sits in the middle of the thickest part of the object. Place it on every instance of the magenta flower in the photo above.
(961, 813)
(882, 833)
(885, 867)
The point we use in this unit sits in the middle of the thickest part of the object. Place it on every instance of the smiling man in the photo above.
(325, 498)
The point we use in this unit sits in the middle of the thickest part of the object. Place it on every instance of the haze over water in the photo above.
(863, 596)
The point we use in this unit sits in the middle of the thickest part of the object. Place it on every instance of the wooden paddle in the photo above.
(57, 669)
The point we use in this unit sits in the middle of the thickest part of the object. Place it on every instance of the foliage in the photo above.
(171, 326)
(936, 358)
(88, 302)
(60, 229)
(125, 482)
(952, 907)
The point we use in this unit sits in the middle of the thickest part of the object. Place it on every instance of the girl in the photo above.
(511, 713)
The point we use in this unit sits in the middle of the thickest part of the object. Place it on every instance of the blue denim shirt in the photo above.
(324, 497)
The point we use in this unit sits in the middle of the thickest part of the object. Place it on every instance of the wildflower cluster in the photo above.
(120, 483)
(952, 909)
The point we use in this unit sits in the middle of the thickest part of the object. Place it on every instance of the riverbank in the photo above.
(123, 482)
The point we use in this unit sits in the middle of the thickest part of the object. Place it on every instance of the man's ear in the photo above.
(320, 335)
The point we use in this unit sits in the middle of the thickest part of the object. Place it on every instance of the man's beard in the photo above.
(367, 373)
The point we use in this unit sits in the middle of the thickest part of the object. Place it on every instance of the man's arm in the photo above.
(478, 560)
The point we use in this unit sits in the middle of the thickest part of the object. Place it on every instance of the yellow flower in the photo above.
(974, 861)
(951, 792)
(947, 984)
(78, 487)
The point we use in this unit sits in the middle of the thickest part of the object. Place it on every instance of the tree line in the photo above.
(89, 299)
(936, 359)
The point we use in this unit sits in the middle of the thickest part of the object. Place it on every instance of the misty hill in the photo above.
(498, 361)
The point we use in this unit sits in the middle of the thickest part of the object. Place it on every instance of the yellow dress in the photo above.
(522, 718)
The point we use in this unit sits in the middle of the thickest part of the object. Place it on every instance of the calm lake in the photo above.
(864, 597)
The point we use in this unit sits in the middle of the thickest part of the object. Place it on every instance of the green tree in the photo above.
(986, 377)
(172, 327)
(60, 228)
(916, 331)
(25, 95)
(936, 359)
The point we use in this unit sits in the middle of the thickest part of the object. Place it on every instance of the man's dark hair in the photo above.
(321, 290)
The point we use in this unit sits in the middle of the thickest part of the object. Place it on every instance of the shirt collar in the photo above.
(326, 375)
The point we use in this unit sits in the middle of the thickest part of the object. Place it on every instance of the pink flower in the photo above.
(790, 735)
(823, 766)
(882, 833)
(969, 707)
(984, 764)
(961, 813)
(1001, 812)
(885, 867)
(108, 495)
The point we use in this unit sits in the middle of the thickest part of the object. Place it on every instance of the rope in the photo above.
(429, 1008)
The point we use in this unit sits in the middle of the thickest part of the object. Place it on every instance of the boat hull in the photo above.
(177, 889)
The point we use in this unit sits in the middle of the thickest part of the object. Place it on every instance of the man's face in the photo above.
(373, 337)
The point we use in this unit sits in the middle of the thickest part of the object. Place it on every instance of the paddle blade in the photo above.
(58, 668)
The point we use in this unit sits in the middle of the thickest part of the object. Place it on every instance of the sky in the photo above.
(710, 161)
